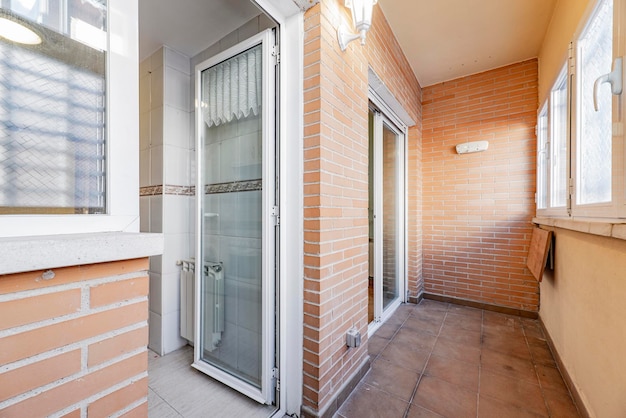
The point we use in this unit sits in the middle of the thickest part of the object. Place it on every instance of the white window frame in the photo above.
(122, 140)
(616, 209)
(547, 108)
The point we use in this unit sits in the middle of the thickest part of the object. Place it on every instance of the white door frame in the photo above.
(268, 304)
(290, 165)
(383, 119)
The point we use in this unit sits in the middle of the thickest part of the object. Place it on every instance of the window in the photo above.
(72, 101)
(552, 155)
(579, 131)
(52, 116)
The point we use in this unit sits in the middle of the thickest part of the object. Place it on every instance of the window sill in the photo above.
(605, 228)
(22, 254)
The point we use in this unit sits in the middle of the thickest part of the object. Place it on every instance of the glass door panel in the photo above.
(235, 305)
(386, 216)
(390, 215)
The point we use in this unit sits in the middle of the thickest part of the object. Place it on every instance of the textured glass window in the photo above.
(594, 131)
(542, 159)
(558, 142)
(52, 109)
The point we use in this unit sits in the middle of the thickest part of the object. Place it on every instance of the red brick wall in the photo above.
(75, 343)
(336, 191)
(478, 207)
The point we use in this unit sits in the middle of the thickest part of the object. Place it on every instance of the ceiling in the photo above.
(189, 26)
(442, 39)
(447, 39)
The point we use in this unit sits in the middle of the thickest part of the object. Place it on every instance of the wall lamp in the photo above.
(362, 19)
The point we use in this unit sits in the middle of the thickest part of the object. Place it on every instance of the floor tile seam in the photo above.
(421, 376)
(492, 398)
(480, 361)
(382, 390)
(541, 388)
(166, 402)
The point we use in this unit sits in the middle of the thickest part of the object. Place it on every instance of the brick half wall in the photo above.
(477, 208)
(73, 341)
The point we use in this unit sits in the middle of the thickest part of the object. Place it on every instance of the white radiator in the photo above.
(187, 299)
(214, 304)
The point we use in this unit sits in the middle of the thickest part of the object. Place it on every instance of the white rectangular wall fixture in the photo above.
(470, 147)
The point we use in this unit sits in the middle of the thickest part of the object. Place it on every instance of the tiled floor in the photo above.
(441, 360)
(177, 390)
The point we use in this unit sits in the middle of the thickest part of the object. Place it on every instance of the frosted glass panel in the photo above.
(391, 172)
(231, 305)
(594, 136)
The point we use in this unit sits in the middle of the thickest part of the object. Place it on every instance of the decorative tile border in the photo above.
(231, 187)
(235, 186)
(167, 190)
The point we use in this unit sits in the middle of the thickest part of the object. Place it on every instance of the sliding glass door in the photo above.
(235, 289)
(387, 208)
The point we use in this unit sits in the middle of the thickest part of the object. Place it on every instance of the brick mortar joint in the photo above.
(66, 318)
(83, 344)
(72, 285)
(76, 376)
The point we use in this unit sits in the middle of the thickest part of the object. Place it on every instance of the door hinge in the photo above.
(276, 54)
(275, 213)
(275, 376)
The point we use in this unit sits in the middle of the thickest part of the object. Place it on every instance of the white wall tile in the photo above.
(145, 88)
(144, 168)
(156, 87)
(171, 332)
(176, 60)
(248, 29)
(176, 127)
(156, 294)
(176, 248)
(144, 214)
(156, 165)
(176, 91)
(265, 22)
(175, 214)
(156, 126)
(171, 292)
(156, 213)
(144, 130)
(228, 41)
(156, 264)
(176, 170)
(155, 333)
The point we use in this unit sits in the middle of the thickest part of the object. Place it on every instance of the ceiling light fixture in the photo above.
(15, 31)
(362, 19)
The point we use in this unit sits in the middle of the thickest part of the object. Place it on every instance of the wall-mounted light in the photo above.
(14, 30)
(362, 19)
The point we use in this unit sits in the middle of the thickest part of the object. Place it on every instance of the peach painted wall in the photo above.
(478, 207)
(582, 307)
(553, 52)
(336, 193)
(75, 343)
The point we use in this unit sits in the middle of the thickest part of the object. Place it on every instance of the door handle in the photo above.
(614, 78)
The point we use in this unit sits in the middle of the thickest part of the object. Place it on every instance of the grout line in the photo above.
(480, 359)
(419, 379)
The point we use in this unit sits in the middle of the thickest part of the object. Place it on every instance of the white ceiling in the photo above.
(442, 39)
(447, 39)
(189, 26)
